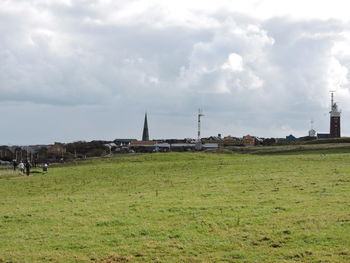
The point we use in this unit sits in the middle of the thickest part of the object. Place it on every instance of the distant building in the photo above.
(145, 134)
(143, 146)
(323, 135)
(290, 138)
(232, 141)
(172, 141)
(57, 148)
(182, 147)
(312, 133)
(123, 142)
(210, 146)
(143, 143)
(250, 140)
(213, 140)
(162, 147)
(111, 146)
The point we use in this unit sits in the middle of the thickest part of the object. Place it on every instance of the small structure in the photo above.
(162, 147)
(323, 136)
(290, 138)
(250, 140)
(312, 132)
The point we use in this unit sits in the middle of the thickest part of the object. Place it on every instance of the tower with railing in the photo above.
(334, 118)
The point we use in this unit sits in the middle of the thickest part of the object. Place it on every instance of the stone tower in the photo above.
(335, 119)
(145, 135)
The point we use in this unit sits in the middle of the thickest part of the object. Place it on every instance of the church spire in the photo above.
(145, 135)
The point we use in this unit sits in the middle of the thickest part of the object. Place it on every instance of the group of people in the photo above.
(26, 167)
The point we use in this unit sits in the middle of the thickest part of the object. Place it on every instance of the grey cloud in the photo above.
(80, 59)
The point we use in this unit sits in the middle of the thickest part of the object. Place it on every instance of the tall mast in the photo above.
(200, 114)
(332, 98)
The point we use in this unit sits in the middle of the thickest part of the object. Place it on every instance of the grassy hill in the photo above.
(308, 148)
(189, 207)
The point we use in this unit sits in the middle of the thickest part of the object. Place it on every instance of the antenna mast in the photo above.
(332, 98)
(200, 114)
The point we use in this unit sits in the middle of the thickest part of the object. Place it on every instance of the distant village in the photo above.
(61, 152)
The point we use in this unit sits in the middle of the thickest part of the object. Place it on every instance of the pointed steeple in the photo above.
(145, 135)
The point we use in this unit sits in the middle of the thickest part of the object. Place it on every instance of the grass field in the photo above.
(181, 207)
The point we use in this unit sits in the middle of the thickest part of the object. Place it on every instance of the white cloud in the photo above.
(234, 63)
(337, 74)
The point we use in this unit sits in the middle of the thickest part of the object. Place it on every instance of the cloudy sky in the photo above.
(83, 70)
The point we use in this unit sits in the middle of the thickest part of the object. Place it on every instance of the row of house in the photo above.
(170, 146)
(59, 151)
(30, 151)
(212, 142)
(249, 140)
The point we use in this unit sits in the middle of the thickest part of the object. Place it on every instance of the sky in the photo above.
(89, 70)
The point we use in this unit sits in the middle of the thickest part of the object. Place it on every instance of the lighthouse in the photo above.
(335, 119)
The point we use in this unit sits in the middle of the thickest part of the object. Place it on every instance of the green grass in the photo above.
(188, 207)
(289, 149)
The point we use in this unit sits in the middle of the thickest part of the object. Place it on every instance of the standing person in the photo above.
(21, 167)
(27, 165)
(14, 163)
